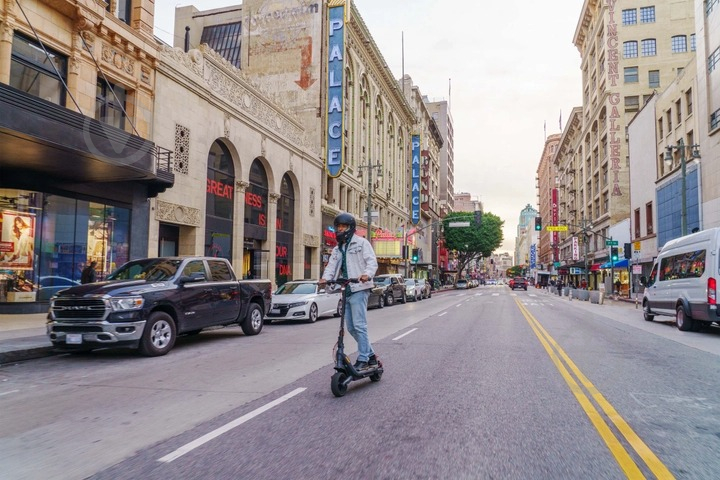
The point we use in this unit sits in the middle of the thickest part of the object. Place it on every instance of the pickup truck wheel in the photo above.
(389, 300)
(381, 301)
(253, 323)
(404, 298)
(313, 314)
(159, 335)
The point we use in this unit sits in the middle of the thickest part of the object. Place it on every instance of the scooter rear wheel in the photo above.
(375, 377)
(337, 384)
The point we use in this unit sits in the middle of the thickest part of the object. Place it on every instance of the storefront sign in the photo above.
(334, 154)
(415, 181)
(532, 255)
(575, 249)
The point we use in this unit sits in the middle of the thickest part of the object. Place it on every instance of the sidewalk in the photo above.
(23, 337)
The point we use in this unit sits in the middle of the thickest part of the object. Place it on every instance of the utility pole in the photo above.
(369, 167)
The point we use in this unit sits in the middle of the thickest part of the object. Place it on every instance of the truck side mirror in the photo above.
(193, 277)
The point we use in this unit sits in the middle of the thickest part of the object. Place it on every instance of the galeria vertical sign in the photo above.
(415, 181)
(334, 154)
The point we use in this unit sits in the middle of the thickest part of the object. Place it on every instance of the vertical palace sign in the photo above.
(415, 181)
(334, 153)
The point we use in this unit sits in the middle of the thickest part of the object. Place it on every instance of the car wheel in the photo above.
(381, 301)
(338, 312)
(159, 335)
(253, 322)
(682, 321)
(313, 314)
(389, 300)
(404, 298)
(647, 313)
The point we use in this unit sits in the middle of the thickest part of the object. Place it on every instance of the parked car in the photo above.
(684, 280)
(425, 287)
(49, 285)
(519, 282)
(413, 290)
(304, 300)
(146, 303)
(393, 288)
(461, 284)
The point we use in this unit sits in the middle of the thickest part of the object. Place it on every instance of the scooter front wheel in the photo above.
(337, 384)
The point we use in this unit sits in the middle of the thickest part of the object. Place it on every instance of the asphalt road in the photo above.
(483, 383)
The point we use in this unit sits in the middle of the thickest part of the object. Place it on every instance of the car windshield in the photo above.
(382, 280)
(150, 269)
(409, 281)
(296, 289)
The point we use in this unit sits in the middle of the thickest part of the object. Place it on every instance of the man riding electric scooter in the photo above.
(354, 257)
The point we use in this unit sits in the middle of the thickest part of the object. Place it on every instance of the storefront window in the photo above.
(46, 240)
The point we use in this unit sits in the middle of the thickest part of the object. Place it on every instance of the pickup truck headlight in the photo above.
(126, 303)
(297, 304)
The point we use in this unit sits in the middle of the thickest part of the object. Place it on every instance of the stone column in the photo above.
(6, 37)
(239, 227)
(272, 231)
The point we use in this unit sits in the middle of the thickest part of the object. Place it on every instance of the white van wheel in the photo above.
(683, 322)
(647, 314)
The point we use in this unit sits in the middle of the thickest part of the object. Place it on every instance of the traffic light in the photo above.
(414, 255)
(538, 223)
(478, 218)
(614, 254)
(627, 251)
(404, 252)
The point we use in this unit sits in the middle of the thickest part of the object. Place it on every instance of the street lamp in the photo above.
(695, 153)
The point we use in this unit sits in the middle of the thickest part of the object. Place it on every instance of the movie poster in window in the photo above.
(17, 240)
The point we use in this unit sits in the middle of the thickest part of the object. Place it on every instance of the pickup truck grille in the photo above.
(78, 309)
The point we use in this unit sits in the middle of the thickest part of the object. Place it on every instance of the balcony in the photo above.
(46, 146)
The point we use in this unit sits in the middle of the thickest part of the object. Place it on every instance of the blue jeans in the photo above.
(356, 320)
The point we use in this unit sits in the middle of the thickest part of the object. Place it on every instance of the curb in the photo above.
(28, 348)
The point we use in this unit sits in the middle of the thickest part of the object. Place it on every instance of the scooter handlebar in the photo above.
(342, 281)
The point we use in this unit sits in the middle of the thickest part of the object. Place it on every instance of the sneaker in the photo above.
(360, 365)
(372, 361)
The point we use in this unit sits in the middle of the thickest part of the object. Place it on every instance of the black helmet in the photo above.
(344, 218)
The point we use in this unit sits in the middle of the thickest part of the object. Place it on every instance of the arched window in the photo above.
(285, 226)
(219, 202)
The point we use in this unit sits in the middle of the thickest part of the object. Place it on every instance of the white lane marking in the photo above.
(7, 393)
(188, 447)
(495, 294)
(478, 294)
(443, 313)
(406, 333)
(459, 305)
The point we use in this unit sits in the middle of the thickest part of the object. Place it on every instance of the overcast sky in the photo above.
(508, 69)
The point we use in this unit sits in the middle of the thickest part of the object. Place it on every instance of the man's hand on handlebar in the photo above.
(364, 278)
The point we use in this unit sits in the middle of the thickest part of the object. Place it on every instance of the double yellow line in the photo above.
(621, 455)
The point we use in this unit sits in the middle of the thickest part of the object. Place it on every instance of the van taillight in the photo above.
(712, 291)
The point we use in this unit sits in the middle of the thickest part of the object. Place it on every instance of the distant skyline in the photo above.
(508, 69)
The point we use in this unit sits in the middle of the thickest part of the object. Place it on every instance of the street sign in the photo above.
(636, 246)
(611, 243)
(459, 224)
(557, 228)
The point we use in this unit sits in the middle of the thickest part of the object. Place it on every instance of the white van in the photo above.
(683, 282)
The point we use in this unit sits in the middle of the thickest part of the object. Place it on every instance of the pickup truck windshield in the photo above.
(151, 269)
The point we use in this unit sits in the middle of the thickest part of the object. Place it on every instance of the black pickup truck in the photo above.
(147, 303)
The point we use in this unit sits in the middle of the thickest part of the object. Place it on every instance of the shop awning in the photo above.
(595, 267)
(619, 264)
(47, 146)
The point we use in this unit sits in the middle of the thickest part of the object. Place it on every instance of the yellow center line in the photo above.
(627, 464)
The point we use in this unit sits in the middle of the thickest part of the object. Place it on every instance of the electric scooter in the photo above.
(345, 372)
